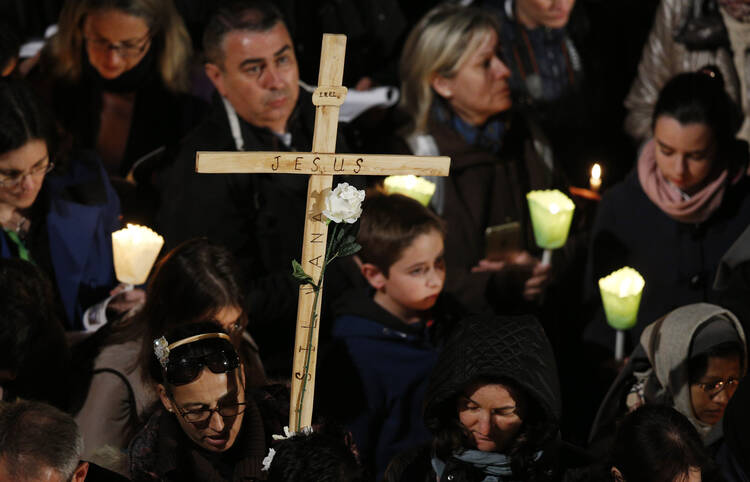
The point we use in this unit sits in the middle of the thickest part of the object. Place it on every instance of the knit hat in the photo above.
(494, 347)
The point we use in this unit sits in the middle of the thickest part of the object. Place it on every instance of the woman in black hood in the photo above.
(493, 406)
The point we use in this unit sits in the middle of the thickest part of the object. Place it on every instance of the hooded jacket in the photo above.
(487, 348)
(390, 362)
(660, 365)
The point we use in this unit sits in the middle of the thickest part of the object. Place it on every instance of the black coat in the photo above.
(161, 451)
(732, 281)
(677, 260)
(259, 217)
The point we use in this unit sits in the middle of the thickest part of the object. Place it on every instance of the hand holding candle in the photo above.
(621, 296)
(135, 249)
(551, 214)
(412, 186)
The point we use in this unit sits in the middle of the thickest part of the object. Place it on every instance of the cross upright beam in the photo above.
(320, 164)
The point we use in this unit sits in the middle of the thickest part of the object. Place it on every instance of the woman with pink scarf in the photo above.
(679, 210)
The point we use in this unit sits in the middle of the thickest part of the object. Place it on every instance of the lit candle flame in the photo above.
(625, 286)
(554, 208)
(596, 172)
(135, 249)
(621, 296)
(413, 186)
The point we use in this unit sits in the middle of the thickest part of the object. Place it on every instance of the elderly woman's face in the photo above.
(115, 41)
(711, 394)
(491, 413)
(480, 88)
(684, 152)
(22, 172)
(547, 13)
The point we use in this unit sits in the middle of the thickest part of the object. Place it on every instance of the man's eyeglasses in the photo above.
(714, 388)
(183, 370)
(225, 411)
(126, 50)
(14, 180)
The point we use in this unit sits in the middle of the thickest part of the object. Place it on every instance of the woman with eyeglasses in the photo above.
(493, 407)
(60, 220)
(198, 281)
(211, 426)
(691, 359)
(117, 77)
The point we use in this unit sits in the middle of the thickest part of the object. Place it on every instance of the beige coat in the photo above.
(664, 58)
(106, 417)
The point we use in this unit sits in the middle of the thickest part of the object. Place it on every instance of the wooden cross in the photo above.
(320, 164)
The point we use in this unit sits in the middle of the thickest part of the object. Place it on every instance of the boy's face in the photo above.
(414, 281)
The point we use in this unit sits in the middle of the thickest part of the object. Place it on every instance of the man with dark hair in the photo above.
(39, 442)
(250, 59)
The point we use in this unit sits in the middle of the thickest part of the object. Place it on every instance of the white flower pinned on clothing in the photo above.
(344, 204)
(286, 435)
(269, 458)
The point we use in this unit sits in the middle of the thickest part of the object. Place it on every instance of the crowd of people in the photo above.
(441, 357)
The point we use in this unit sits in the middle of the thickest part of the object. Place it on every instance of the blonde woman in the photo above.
(455, 89)
(120, 72)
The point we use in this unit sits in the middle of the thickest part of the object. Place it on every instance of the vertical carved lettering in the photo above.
(318, 217)
(275, 166)
(316, 237)
(307, 327)
(316, 261)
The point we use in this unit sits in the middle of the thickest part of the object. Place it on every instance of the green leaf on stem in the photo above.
(349, 249)
(338, 233)
(300, 275)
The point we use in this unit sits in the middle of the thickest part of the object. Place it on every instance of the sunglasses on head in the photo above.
(179, 370)
(182, 370)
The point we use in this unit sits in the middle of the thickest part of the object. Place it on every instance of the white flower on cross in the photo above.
(344, 204)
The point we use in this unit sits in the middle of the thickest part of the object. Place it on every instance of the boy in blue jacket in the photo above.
(389, 335)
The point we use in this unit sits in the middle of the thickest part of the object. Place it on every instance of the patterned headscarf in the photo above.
(739, 9)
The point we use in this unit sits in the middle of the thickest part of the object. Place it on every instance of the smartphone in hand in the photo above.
(502, 241)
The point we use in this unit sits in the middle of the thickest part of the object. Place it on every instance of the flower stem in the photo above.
(313, 320)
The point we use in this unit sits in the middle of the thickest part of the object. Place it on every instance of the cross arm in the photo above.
(320, 164)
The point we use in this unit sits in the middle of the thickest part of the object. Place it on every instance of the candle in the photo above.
(412, 186)
(595, 181)
(621, 297)
(551, 213)
(135, 249)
